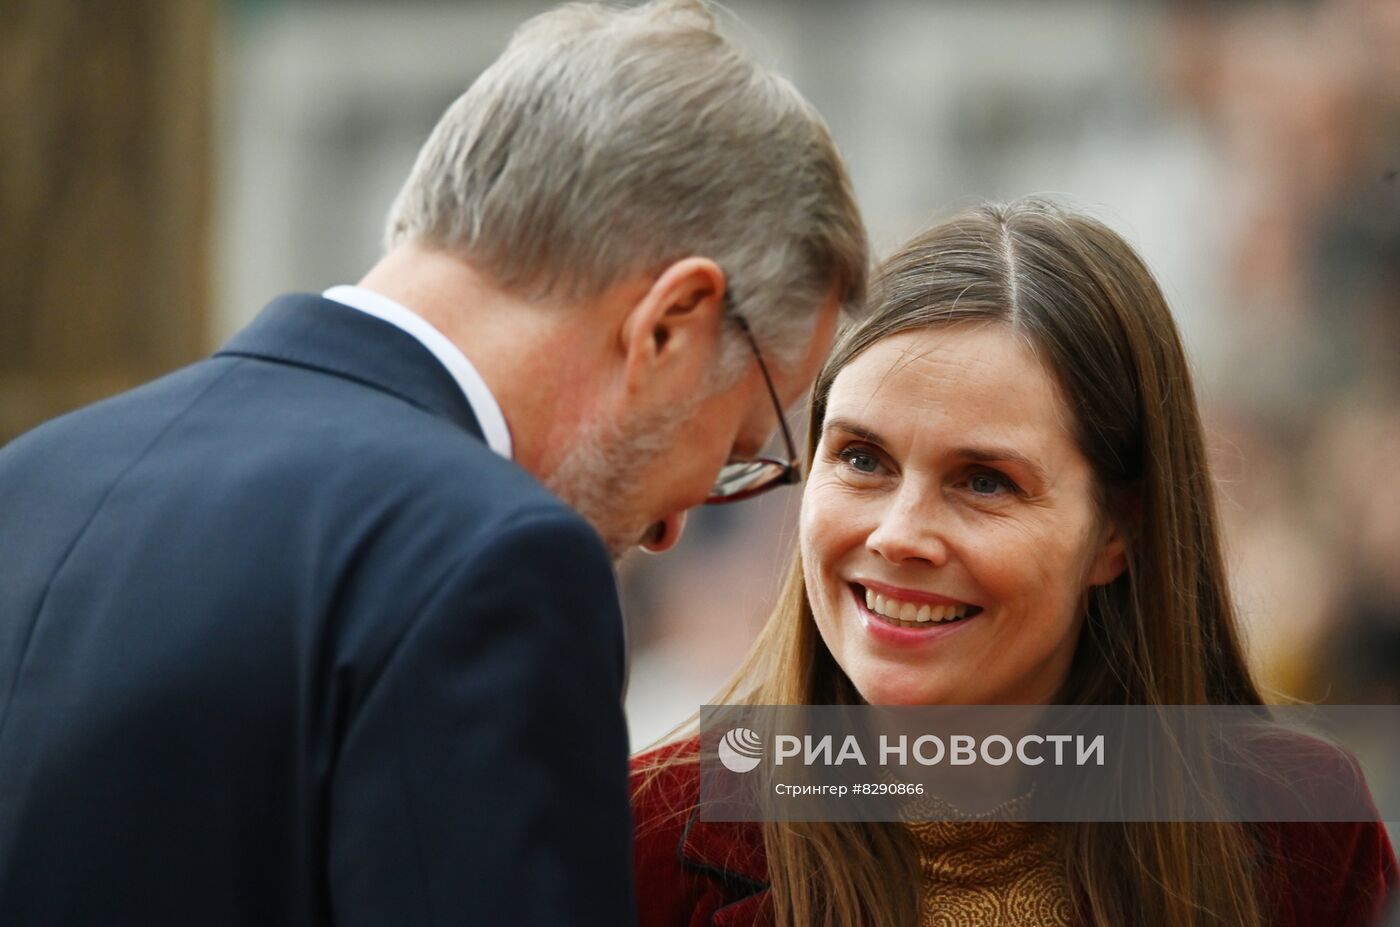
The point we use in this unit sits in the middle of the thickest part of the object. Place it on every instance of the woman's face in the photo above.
(947, 483)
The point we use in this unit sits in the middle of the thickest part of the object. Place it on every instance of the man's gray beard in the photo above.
(601, 476)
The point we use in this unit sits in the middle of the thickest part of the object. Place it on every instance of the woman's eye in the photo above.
(987, 484)
(859, 460)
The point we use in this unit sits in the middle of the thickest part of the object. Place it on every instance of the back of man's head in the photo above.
(606, 142)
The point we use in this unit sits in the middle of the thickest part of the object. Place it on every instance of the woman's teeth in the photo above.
(912, 613)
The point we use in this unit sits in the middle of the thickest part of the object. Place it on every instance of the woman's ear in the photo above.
(1111, 559)
(1117, 534)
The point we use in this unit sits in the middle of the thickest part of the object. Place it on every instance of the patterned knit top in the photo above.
(984, 871)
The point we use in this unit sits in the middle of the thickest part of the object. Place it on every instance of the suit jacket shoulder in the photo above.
(282, 641)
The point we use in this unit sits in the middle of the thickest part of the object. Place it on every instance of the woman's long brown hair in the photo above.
(1163, 633)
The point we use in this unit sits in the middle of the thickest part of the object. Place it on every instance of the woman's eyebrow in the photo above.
(851, 428)
(1000, 455)
(976, 454)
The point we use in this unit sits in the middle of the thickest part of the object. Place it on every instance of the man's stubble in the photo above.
(604, 474)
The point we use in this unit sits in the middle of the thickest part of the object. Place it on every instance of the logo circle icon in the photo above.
(740, 750)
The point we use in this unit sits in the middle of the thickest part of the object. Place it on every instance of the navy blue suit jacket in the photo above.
(283, 642)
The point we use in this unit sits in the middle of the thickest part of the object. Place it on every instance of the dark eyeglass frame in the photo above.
(782, 474)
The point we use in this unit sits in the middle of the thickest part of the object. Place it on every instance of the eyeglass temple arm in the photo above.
(794, 473)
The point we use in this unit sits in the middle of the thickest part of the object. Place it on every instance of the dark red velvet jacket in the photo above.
(693, 873)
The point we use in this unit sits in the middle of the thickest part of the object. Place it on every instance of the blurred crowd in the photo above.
(1302, 102)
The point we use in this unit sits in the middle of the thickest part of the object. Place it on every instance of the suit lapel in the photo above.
(316, 333)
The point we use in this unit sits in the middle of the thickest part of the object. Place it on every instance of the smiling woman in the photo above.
(1008, 503)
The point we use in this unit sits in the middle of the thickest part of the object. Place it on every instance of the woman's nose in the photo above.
(909, 530)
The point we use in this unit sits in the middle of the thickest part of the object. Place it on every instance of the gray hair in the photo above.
(606, 142)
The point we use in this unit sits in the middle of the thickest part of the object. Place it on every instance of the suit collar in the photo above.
(319, 334)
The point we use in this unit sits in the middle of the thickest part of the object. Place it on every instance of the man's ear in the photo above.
(675, 327)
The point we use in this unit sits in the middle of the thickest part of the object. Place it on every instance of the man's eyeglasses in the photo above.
(747, 478)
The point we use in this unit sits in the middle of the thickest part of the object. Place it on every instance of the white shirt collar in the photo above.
(484, 406)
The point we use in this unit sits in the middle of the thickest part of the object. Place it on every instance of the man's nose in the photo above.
(664, 534)
(911, 529)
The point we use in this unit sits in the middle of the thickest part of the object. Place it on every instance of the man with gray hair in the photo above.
(303, 633)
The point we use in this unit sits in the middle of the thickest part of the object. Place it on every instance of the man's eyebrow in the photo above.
(852, 428)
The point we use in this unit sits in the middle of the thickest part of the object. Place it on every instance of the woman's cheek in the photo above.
(830, 520)
(815, 514)
(825, 542)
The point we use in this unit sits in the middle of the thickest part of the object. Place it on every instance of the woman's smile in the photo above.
(882, 618)
(903, 617)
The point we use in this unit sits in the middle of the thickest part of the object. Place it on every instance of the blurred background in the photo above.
(167, 166)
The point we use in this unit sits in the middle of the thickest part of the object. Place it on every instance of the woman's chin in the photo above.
(899, 696)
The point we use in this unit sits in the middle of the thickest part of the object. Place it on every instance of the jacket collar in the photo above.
(308, 331)
(732, 854)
